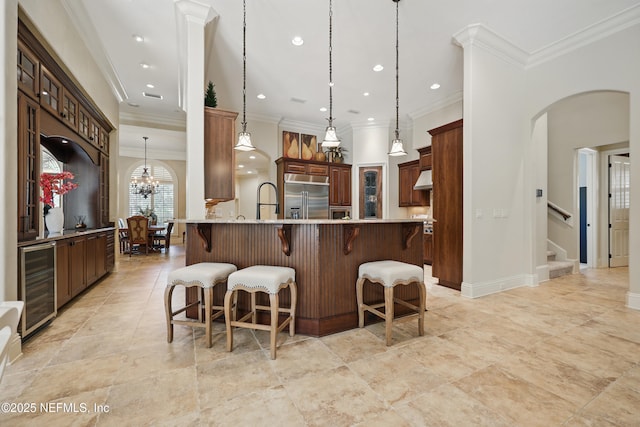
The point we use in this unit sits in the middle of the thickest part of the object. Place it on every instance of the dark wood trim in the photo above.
(446, 128)
(284, 233)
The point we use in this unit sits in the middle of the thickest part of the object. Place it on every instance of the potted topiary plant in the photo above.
(210, 99)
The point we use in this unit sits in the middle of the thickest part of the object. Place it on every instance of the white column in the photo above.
(192, 18)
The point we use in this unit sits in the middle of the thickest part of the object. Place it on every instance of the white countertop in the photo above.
(298, 221)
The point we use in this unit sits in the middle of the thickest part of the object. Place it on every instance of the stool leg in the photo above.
(293, 288)
(208, 302)
(227, 318)
(168, 292)
(388, 312)
(274, 301)
(359, 297)
(253, 308)
(422, 291)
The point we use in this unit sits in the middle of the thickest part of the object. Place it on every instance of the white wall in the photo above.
(9, 151)
(604, 64)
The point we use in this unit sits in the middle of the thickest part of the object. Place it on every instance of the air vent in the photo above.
(353, 111)
(152, 95)
(298, 100)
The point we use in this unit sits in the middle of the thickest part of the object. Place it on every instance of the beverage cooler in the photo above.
(37, 286)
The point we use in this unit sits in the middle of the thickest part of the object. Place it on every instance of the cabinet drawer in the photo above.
(322, 170)
(291, 167)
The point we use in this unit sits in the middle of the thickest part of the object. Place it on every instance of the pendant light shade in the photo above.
(397, 149)
(244, 137)
(331, 137)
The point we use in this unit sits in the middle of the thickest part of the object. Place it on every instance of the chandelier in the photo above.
(396, 145)
(145, 185)
(244, 137)
(331, 138)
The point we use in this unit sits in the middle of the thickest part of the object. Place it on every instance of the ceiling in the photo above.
(294, 79)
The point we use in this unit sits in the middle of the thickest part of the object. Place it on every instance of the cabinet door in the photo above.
(406, 186)
(50, 92)
(295, 167)
(63, 287)
(84, 123)
(103, 191)
(334, 186)
(28, 167)
(77, 265)
(428, 248)
(418, 197)
(340, 186)
(101, 255)
(28, 71)
(446, 151)
(219, 155)
(104, 140)
(94, 133)
(110, 255)
(91, 257)
(320, 170)
(69, 111)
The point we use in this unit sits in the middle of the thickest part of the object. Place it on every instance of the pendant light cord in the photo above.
(397, 76)
(330, 64)
(244, 66)
(145, 151)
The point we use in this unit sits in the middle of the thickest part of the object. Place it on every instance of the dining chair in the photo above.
(138, 232)
(164, 238)
(123, 235)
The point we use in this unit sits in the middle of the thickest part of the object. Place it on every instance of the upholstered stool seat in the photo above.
(390, 274)
(204, 275)
(261, 278)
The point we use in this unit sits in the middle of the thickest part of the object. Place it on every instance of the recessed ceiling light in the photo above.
(144, 65)
(297, 41)
(261, 96)
(252, 157)
(240, 166)
(366, 94)
(371, 119)
(64, 141)
(152, 95)
(378, 68)
(435, 86)
(323, 109)
(249, 172)
(150, 86)
(138, 38)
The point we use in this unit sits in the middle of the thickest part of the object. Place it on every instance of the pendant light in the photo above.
(331, 137)
(396, 145)
(146, 185)
(244, 137)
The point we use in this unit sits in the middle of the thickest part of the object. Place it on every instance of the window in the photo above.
(162, 202)
(51, 165)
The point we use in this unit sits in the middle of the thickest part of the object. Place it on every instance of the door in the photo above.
(619, 211)
(371, 192)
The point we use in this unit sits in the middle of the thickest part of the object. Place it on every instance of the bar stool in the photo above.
(390, 274)
(204, 275)
(261, 278)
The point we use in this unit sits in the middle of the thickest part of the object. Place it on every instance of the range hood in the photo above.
(424, 181)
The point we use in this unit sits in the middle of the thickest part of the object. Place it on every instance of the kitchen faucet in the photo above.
(276, 204)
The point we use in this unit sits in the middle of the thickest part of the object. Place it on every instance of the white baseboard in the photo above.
(476, 290)
(542, 271)
(633, 300)
(15, 348)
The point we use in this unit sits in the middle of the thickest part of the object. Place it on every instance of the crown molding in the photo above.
(161, 121)
(82, 22)
(479, 35)
(614, 24)
(438, 105)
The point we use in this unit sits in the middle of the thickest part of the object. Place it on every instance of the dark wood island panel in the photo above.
(325, 255)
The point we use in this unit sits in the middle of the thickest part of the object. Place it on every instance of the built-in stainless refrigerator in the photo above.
(306, 196)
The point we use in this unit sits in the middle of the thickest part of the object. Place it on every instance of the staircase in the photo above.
(558, 268)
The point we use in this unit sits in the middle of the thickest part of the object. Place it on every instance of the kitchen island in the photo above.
(325, 254)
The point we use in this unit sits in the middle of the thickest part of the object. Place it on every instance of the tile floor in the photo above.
(565, 353)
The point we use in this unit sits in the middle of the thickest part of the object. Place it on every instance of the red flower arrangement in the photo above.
(52, 183)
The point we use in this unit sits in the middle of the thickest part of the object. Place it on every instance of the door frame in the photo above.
(591, 171)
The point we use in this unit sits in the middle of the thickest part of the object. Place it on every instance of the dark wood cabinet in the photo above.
(28, 71)
(303, 167)
(81, 261)
(103, 191)
(427, 241)
(219, 155)
(407, 196)
(50, 91)
(446, 151)
(77, 264)
(28, 167)
(69, 110)
(340, 185)
(425, 158)
(63, 279)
